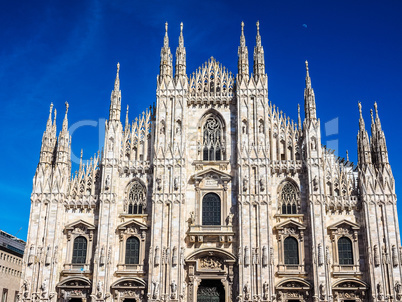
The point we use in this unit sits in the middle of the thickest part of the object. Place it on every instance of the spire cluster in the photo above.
(374, 150)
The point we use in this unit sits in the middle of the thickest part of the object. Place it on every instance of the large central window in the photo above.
(211, 209)
(212, 139)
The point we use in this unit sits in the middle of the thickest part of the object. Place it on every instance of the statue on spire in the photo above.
(242, 63)
(259, 61)
(180, 56)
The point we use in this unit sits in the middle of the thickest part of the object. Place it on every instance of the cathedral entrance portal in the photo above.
(210, 291)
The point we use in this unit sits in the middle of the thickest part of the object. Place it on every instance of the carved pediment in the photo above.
(217, 255)
(74, 283)
(132, 224)
(290, 225)
(212, 173)
(129, 283)
(295, 284)
(349, 285)
(344, 227)
(79, 227)
(132, 227)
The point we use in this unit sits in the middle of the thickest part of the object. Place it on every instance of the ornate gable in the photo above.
(211, 84)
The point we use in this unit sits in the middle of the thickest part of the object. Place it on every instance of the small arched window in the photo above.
(212, 139)
(79, 250)
(345, 251)
(289, 199)
(136, 199)
(211, 209)
(291, 250)
(132, 250)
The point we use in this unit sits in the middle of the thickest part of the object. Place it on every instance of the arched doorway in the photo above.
(210, 275)
(211, 291)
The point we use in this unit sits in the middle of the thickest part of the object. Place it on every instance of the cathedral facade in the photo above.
(213, 194)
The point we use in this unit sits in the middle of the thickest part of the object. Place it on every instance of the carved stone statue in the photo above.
(192, 218)
(265, 289)
(173, 289)
(155, 289)
(230, 219)
(247, 291)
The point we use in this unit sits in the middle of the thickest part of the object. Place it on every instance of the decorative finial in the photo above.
(67, 105)
(372, 116)
(181, 28)
(55, 115)
(118, 67)
(166, 28)
(376, 109)
(306, 65)
(51, 108)
(347, 155)
(360, 108)
(258, 27)
(242, 27)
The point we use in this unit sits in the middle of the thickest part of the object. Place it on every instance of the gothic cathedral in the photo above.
(213, 195)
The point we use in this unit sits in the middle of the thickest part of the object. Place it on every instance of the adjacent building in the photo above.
(213, 194)
(11, 253)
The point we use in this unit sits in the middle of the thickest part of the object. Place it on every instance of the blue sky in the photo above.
(57, 51)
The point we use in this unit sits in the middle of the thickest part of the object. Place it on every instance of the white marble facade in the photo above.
(213, 194)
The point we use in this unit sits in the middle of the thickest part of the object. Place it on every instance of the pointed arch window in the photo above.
(136, 199)
(211, 209)
(212, 139)
(79, 250)
(132, 250)
(345, 252)
(291, 251)
(289, 199)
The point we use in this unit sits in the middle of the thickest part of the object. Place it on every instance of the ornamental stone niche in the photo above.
(207, 270)
(213, 219)
(74, 288)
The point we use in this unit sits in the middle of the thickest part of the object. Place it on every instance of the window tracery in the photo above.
(212, 139)
(136, 199)
(289, 199)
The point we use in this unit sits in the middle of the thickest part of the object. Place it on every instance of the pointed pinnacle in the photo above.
(376, 110)
(347, 155)
(181, 39)
(117, 81)
(242, 38)
(308, 79)
(166, 38)
(65, 121)
(49, 120)
(372, 117)
(258, 38)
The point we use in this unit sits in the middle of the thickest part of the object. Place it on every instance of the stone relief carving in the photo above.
(211, 262)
